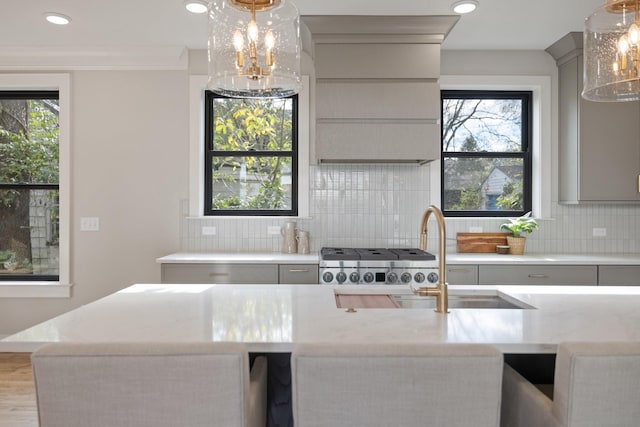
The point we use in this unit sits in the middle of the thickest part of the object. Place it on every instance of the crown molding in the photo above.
(94, 58)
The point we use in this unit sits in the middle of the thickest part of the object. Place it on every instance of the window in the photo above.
(29, 185)
(251, 156)
(486, 153)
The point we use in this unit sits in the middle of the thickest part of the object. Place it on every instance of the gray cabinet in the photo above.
(298, 274)
(619, 275)
(220, 273)
(599, 142)
(462, 274)
(538, 275)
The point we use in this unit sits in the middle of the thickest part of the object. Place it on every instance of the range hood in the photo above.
(377, 91)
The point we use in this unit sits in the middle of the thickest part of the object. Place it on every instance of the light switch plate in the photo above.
(599, 232)
(209, 231)
(273, 230)
(475, 229)
(89, 223)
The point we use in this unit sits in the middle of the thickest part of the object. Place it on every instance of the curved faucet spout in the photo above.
(440, 291)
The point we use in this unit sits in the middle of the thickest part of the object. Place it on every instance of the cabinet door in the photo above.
(619, 275)
(220, 273)
(298, 274)
(462, 274)
(538, 275)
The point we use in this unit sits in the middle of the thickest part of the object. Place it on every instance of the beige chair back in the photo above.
(143, 385)
(396, 385)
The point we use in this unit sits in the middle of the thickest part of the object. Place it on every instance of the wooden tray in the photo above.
(480, 242)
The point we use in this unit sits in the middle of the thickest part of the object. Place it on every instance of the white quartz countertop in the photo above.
(271, 318)
(452, 258)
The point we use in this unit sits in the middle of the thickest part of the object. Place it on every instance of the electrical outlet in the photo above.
(475, 229)
(599, 232)
(273, 229)
(209, 231)
(89, 223)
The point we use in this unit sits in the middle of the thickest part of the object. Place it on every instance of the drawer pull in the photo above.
(218, 274)
(299, 270)
(538, 276)
(458, 270)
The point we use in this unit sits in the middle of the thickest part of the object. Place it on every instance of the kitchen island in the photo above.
(272, 318)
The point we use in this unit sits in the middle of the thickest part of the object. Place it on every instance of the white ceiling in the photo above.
(496, 24)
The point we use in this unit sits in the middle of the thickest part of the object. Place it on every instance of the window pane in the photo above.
(482, 125)
(29, 226)
(252, 124)
(29, 141)
(252, 183)
(483, 184)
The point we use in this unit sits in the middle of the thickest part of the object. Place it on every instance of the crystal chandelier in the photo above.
(254, 48)
(612, 52)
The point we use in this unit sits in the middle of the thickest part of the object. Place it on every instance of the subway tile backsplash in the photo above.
(368, 205)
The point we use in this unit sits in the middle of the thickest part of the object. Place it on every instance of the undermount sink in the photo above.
(460, 302)
(412, 301)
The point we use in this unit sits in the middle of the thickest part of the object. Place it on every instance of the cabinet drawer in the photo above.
(538, 275)
(220, 273)
(298, 273)
(462, 274)
(619, 275)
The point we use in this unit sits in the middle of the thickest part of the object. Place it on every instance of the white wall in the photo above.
(130, 169)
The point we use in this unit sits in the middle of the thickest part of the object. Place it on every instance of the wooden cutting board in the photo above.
(480, 242)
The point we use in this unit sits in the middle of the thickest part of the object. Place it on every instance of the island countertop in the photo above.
(272, 318)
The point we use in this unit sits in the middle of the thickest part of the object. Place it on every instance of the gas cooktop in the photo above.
(375, 254)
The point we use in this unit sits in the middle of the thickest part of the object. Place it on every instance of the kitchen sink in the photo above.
(472, 300)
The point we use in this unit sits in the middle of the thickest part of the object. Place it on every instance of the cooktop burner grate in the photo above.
(375, 254)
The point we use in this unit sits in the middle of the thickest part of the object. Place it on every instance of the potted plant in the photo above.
(517, 227)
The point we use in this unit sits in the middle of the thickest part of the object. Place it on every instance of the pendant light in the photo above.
(254, 48)
(612, 52)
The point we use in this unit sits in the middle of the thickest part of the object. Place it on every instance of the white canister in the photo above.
(303, 242)
(289, 243)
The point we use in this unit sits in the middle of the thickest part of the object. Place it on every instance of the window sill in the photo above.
(34, 290)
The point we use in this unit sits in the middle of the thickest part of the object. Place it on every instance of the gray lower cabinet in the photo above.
(538, 275)
(220, 273)
(298, 274)
(462, 274)
(619, 275)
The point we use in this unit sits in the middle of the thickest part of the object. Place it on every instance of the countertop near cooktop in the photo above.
(452, 258)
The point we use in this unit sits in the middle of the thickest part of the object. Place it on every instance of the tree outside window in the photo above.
(486, 153)
(29, 185)
(251, 161)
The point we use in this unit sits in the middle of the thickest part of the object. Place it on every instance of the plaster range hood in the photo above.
(377, 91)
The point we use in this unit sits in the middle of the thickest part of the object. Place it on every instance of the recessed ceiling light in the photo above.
(465, 6)
(196, 6)
(57, 18)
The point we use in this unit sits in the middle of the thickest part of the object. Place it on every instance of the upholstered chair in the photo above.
(396, 385)
(596, 385)
(149, 385)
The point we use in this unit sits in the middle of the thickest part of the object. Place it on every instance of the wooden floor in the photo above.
(17, 393)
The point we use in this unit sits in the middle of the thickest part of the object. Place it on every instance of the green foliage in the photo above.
(518, 226)
(511, 197)
(469, 200)
(248, 125)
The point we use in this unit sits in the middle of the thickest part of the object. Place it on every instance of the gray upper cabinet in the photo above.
(377, 90)
(599, 142)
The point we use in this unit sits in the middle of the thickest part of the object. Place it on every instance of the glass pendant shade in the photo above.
(254, 48)
(612, 53)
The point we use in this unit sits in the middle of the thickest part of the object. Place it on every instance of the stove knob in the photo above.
(405, 278)
(419, 277)
(368, 277)
(341, 277)
(354, 277)
(327, 277)
(432, 277)
(392, 278)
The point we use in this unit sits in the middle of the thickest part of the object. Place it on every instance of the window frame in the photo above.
(62, 83)
(527, 96)
(210, 153)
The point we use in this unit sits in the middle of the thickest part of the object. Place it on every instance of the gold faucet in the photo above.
(440, 291)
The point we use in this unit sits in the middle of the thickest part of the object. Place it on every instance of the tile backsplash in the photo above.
(381, 206)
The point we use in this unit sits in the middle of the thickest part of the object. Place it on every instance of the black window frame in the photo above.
(210, 153)
(30, 94)
(526, 153)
